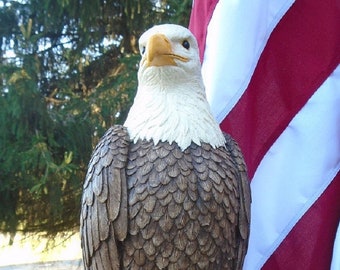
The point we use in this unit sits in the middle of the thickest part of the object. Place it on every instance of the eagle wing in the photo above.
(103, 219)
(244, 198)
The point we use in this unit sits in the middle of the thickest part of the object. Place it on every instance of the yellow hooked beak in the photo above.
(159, 52)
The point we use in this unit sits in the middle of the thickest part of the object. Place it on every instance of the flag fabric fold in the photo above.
(272, 77)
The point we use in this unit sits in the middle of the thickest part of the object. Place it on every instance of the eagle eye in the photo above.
(143, 50)
(186, 44)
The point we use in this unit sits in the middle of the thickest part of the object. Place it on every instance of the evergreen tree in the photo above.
(68, 72)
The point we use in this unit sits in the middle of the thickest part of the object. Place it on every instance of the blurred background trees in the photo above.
(67, 73)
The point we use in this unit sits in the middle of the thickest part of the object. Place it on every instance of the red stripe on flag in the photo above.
(310, 243)
(199, 20)
(300, 54)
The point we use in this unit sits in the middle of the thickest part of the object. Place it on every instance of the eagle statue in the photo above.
(168, 189)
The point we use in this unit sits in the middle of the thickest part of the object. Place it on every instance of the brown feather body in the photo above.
(149, 206)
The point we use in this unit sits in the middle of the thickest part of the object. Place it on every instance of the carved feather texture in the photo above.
(103, 220)
(168, 190)
(157, 207)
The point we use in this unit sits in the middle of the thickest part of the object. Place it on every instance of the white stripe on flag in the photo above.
(236, 36)
(313, 160)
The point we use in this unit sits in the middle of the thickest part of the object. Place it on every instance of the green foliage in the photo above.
(68, 71)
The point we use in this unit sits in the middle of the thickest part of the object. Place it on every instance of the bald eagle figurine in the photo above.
(167, 190)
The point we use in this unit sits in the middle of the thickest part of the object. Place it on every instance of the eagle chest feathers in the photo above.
(183, 207)
(168, 190)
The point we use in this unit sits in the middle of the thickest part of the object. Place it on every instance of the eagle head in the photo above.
(168, 51)
(170, 104)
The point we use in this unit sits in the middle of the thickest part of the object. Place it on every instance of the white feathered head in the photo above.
(170, 104)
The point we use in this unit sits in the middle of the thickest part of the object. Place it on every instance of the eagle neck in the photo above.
(173, 113)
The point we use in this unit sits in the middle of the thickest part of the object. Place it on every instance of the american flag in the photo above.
(272, 75)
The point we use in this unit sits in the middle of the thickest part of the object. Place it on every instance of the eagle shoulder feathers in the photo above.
(167, 190)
